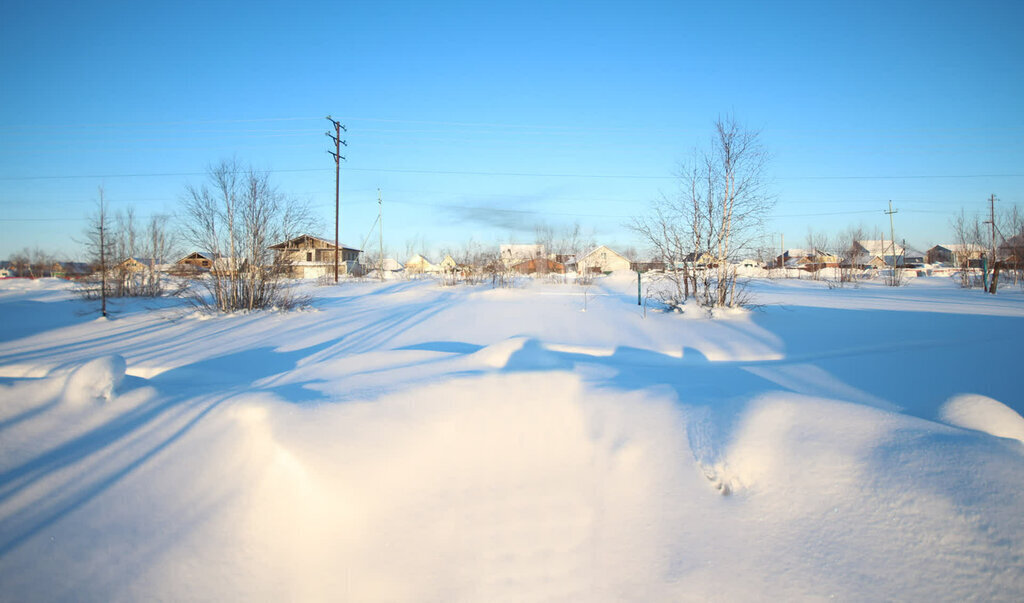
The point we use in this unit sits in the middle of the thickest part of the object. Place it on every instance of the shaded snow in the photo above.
(405, 441)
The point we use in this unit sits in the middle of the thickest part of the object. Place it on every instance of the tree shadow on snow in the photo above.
(113, 450)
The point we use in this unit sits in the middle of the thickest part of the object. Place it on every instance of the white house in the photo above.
(602, 259)
(511, 253)
(417, 264)
(448, 265)
(391, 265)
(877, 251)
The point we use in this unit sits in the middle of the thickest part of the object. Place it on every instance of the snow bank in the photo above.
(95, 381)
(973, 411)
(414, 442)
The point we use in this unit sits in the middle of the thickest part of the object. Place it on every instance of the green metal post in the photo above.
(984, 271)
(638, 287)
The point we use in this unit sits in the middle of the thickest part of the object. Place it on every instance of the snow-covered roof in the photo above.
(962, 248)
(208, 255)
(417, 258)
(880, 247)
(606, 249)
(391, 264)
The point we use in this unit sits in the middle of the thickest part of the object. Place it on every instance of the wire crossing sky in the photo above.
(484, 120)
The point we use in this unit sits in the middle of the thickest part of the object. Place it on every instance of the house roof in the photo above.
(293, 242)
(391, 264)
(206, 255)
(605, 248)
(961, 248)
(145, 261)
(421, 258)
(880, 247)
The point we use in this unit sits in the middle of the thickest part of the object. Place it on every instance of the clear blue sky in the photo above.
(483, 119)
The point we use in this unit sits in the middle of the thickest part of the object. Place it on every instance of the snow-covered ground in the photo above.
(403, 441)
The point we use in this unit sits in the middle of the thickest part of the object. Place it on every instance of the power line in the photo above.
(510, 174)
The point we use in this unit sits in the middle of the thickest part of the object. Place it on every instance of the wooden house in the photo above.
(306, 256)
(198, 260)
(700, 260)
(137, 264)
(539, 266)
(70, 270)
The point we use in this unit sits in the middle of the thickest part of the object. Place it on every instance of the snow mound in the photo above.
(520, 354)
(498, 354)
(96, 380)
(974, 411)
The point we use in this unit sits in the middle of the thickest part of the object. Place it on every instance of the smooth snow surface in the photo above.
(403, 441)
(984, 414)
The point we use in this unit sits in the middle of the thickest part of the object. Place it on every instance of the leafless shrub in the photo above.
(236, 216)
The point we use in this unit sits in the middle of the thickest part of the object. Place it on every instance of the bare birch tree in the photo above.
(717, 216)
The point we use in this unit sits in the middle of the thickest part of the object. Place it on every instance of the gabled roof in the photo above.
(599, 248)
(293, 242)
(206, 255)
(391, 264)
(144, 261)
(413, 259)
(880, 247)
(961, 248)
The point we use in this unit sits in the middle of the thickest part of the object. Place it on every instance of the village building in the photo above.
(196, 261)
(448, 265)
(603, 260)
(539, 266)
(418, 264)
(306, 256)
(391, 265)
(511, 253)
(654, 265)
(135, 264)
(877, 253)
(956, 254)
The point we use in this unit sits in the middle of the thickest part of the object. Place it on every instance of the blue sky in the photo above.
(482, 120)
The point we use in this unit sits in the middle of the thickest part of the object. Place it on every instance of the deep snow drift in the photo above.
(406, 441)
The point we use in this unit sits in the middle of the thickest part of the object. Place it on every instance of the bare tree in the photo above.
(967, 232)
(236, 216)
(99, 246)
(158, 248)
(717, 217)
(818, 250)
(21, 262)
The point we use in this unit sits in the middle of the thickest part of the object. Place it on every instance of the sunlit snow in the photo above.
(407, 441)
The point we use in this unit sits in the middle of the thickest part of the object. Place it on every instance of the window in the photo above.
(309, 256)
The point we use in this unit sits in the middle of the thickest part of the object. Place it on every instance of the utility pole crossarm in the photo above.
(336, 153)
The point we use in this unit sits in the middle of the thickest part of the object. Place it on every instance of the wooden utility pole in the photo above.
(380, 220)
(103, 254)
(992, 243)
(338, 142)
(892, 233)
